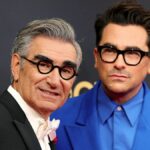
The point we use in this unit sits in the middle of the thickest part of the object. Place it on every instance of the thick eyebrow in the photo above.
(127, 48)
(70, 64)
(132, 48)
(46, 59)
(110, 45)
(42, 58)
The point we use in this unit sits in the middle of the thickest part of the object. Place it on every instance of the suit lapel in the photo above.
(142, 137)
(52, 145)
(79, 137)
(20, 121)
(85, 131)
(28, 135)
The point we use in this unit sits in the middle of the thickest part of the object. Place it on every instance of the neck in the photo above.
(122, 97)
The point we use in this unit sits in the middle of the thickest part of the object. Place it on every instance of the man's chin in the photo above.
(116, 88)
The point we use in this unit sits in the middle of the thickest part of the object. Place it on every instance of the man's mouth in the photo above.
(118, 76)
(49, 93)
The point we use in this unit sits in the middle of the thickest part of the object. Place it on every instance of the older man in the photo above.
(44, 65)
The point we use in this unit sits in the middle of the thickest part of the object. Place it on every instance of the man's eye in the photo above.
(67, 69)
(136, 53)
(44, 64)
(108, 50)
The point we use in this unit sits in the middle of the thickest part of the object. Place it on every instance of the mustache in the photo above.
(120, 72)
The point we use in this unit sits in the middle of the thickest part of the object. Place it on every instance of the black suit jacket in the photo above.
(16, 132)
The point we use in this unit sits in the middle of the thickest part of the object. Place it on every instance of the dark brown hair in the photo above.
(124, 13)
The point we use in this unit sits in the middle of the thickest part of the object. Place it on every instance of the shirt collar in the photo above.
(105, 105)
(33, 116)
(132, 108)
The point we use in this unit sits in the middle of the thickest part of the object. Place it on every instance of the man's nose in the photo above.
(53, 77)
(120, 63)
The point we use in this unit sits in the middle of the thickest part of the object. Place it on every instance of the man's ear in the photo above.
(148, 72)
(15, 66)
(95, 53)
(148, 69)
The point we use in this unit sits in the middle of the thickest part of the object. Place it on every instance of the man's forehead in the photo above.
(53, 48)
(125, 36)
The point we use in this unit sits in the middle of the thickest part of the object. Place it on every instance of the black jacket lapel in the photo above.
(52, 146)
(20, 121)
(28, 135)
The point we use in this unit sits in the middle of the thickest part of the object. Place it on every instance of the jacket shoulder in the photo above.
(69, 109)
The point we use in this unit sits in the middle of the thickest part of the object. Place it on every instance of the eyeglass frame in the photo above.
(122, 52)
(53, 67)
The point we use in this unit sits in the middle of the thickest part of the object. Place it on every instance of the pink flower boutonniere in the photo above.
(54, 124)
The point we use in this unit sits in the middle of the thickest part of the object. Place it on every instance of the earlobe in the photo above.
(15, 66)
(148, 71)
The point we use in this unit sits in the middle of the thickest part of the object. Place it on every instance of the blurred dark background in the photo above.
(14, 14)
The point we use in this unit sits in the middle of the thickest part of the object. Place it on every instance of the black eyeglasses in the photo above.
(44, 67)
(132, 57)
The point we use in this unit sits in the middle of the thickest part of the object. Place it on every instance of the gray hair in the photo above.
(53, 28)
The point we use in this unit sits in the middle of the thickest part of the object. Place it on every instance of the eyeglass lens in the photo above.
(131, 57)
(46, 66)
